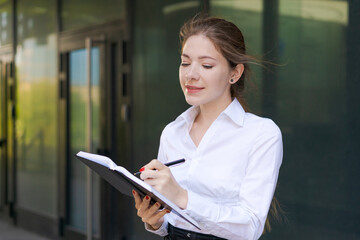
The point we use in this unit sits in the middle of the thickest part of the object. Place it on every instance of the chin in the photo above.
(193, 102)
(190, 103)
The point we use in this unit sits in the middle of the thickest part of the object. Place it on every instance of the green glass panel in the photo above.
(6, 36)
(312, 108)
(157, 96)
(78, 136)
(247, 15)
(314, 93)
(2, 135)
(157, 60)
(36, 123)
(80, 13)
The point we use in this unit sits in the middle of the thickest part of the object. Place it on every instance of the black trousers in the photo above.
(182, 234)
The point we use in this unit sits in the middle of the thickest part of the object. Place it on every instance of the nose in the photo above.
(192, 72)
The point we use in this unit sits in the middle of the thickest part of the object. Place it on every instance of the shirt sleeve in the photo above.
(246, 219)
(161, 152)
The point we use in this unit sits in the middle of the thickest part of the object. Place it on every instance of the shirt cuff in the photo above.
(162, 231)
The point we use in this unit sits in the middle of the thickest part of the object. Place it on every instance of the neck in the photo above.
(210, 111)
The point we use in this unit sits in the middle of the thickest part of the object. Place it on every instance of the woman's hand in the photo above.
(150, 215)
(159, 177)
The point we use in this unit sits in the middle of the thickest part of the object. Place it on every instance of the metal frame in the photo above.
(7, 167)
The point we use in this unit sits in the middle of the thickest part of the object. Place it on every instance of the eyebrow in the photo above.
(201, 57)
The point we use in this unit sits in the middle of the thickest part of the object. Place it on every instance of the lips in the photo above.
(193, 89)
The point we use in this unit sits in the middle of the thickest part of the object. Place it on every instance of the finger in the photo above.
(144, 206)
(150, 212)
(154, 208)
(154, 164)
(148, 174)
(156, 217)
(155, 174)
(137, 198)
(152, 181)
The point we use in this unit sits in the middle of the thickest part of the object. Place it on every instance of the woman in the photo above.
(232, 156)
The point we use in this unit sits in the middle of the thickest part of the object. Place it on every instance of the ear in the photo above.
(237, 72)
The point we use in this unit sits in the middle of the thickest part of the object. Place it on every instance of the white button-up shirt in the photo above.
(230, 177)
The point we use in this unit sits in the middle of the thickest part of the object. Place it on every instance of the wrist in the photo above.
(154, 227)
(182, 199)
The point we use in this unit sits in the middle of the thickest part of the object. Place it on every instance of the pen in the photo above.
(168, 164)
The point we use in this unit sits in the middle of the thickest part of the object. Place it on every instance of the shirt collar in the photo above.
(234, 111)
(189, 115)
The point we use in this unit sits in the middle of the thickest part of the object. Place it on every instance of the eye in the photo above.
(185, 64)
(207, 66)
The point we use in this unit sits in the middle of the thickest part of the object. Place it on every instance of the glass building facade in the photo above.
(129, 53)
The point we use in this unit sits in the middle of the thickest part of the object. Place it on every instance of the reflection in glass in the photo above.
(157, 96)
(157, 60)
(78, 134)
(6, 22)
(36, 122)
(79, 13)
(247, 15)
(311, 109)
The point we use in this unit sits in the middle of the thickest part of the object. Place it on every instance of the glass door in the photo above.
(80, 110)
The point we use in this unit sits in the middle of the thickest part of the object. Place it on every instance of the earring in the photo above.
(232, 81)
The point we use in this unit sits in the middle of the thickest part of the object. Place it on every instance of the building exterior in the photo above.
(129, 52)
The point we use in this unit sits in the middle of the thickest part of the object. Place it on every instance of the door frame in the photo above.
(8, 148)
(115, 125)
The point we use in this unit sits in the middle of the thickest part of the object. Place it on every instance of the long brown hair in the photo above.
(229, 41)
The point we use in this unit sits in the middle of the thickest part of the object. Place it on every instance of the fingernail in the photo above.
(167, 211)
(141, 169)
(147, 197)
(158, 204)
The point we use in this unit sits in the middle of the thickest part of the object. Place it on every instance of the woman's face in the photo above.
(204, 73)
